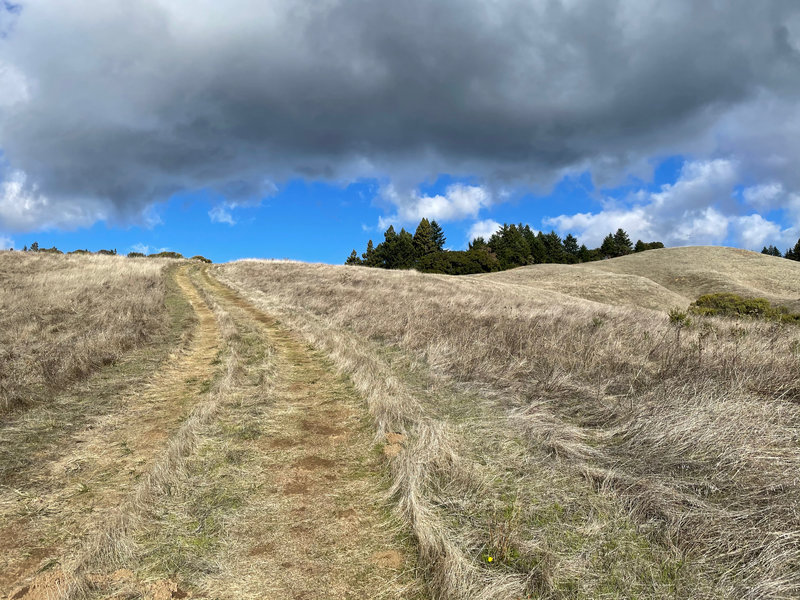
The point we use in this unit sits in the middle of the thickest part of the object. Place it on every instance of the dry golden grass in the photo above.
(78, 470)
(693, 271)
(592, 448)
(242, 468)
(63, 317)
(667, 277)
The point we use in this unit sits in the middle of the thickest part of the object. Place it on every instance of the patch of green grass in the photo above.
(189, 534)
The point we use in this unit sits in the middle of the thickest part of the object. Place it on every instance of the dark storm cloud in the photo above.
(115, 105)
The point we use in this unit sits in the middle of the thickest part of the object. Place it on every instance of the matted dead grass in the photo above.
(63, 317)
(590, 449)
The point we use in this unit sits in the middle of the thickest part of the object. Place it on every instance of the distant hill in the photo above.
(667, 277)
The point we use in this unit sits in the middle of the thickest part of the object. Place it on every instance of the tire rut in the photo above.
(307, 518)
(320, 525)
(67, 501)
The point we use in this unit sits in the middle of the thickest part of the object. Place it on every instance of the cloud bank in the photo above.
(107, 108)
(699, 208)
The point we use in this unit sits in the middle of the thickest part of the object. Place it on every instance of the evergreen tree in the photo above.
(397, 250)
(370, 257)
(622, 242)
(571, 245)
(793, 253)
(438, 236)
(771, 251)
(478, 244)
(35, 247)
(404, 251)
(25, 249)
(424, 242)
(509, 245)
(353, 258)
(386, 249)
(609, 246)
(554, 247)
(642, 246)
(584, 255)
(537, 253)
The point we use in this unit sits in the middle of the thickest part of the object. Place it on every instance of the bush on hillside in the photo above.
(201, 259)
(166, 255)
(733, 305)
(135, 255)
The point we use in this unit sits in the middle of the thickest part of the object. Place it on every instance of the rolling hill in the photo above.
(283, 429)
(663, 278)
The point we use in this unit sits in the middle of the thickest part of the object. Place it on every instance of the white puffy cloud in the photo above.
(754, 232)
(140, 248)
(591, 228)
(697, 209)
(459, 201)
(6, 242)
(221, 213)
(700, 184)
(483, 229)
(690, 211)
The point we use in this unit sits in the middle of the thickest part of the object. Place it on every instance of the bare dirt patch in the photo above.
(388, 559)
(314, 462)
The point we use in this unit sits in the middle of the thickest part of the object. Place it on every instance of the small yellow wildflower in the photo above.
(489, 558)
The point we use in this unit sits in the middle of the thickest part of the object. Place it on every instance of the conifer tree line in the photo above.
(791, 253)
(511, 246)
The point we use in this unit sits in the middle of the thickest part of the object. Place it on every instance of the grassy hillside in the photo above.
(63, 317)
(547, 432)
(564, 439)
(668, 277)
(215, 455)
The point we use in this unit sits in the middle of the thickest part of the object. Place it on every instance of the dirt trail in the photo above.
(62, 502)
(288, 464)
(317, 529)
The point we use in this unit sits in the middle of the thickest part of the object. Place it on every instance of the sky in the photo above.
(296, 129)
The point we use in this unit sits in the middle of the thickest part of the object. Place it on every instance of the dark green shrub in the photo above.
(201, 259)
(108, 252)
(135, 255)
(733, 305)
(79, 252)
(166, 255)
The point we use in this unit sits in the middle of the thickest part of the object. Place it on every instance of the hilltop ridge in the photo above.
(667, 277)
